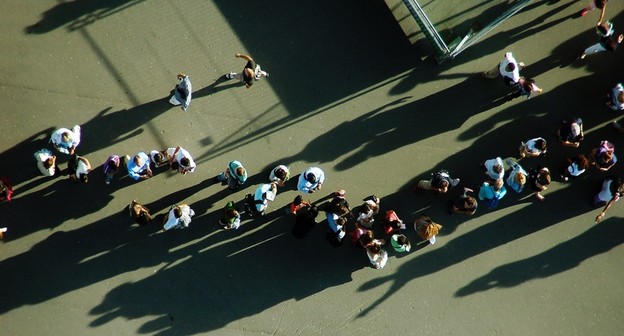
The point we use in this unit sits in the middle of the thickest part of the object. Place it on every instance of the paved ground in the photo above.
(347, 93)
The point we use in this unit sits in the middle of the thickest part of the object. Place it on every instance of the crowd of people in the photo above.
(340, 220)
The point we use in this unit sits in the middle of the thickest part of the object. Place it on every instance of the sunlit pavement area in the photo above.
(347, 92)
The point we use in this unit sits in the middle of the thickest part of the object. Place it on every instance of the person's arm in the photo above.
(602, 13)
(243, 56)
(613, 199)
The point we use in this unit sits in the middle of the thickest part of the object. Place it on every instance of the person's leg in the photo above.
(493, 73)
(424, 184)
(594, 49)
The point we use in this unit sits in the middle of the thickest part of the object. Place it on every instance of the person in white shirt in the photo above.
(179, 217)
(79, 168)
(494, 168)
(65, 141)
(180, 159)
(508, 69)
(311, 180)
(46, 162)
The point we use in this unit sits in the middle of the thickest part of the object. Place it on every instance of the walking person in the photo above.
(600, 4)
(235, 175)
(182, 92)
(612, 191)
(65, 141)
(508, 69)
(441, 181)
(251, 72)
(111, 167)
(606, 41)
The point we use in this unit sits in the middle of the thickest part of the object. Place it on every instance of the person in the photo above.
(538, 180)
(606, 40)
(111, 167)
(3, 230)
(616, 99)
(231, 218)
(159, 158)
(311, 180)
(140, 213)
(574, 167)
(593, 4)
(400, 243)
(296, 205)
(79, 168)
(46, 162)
(305, 220)
(492, 193)
(612, 190)
(181, 160)
(508, 69)
(251, 71)
(336, 227)
(494, 168)
(377, 256)
(179, 217)
(571, 132)
(526, 87)
(65, 141)
(392, 223)
(441, 181)
(182, 92)
(280, 175)
(259, 201)
(235, 175)
(533, 148)
(517, 177)
(427, 229)
(465, 204)
(6, 189)
(366, 212)
(139, 167)
(603, 157)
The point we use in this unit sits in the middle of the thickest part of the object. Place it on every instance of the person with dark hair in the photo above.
(616, 101)
(159, 158)
(508, 69)
(296, 205)
(259, 201)
(539, 179)
(571, 132)
(606, 41)
(46, 162)
(526, 87)
(181, 94)
(111, 167)
(465, 204)
(494, 168)
(251, 72)
(235, 175)
(79, 168)
(305, 220)
(533, 148)
(392, 223)
(311, 180)
(612, 191)
(231, 218)
(440, 181)
(377, 256)
(280, 175)
(367, 211)
(574, 167)
(179, 217)
(140, 213)
(6, 189)
(180, 159)
(400, 243)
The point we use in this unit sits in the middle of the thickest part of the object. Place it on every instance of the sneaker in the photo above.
(230, 75)
(454, 182)
(616, 125)
(584, 12)
(521, 65)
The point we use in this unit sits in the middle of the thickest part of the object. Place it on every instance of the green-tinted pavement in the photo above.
(346, 92)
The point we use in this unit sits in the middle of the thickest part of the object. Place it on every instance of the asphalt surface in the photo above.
(347, 93)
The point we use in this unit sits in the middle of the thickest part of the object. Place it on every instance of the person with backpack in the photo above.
(492, 193)
(259, 201)
(181, 94)
(235, 175)
(440, 181)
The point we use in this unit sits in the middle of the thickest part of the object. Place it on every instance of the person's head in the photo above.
(177, 212)
(543, 177)
(402, 240)
(470, 202)
(498, 184)
(280, 173)
(49, 162)
(510, 67)
(240, 171)
(112, 165)
(520, 178)
(365, 208)
(444, 184)
(175, 165)
(84, 178)
(582, 162)
(249, 77)
(341, 210)
(575, 128)
(341, 221)
(143, 217)
(395, 224)
(185, 162)
(607, 156)
(373, 248)
(540, 144)
(159, 157)
(620, 97)
(65, 136)
(310, 177)
(298, 200)
(497, 168)
(605, 28)
(231, 213)
(367, 238)
(137, 160)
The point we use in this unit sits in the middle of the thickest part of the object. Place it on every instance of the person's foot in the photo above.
(582, 55)
(539, 197)
(230, 75)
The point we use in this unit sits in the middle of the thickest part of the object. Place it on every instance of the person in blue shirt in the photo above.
(139, 167)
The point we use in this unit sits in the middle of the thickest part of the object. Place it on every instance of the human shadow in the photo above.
(598, 239)
(78, 14)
